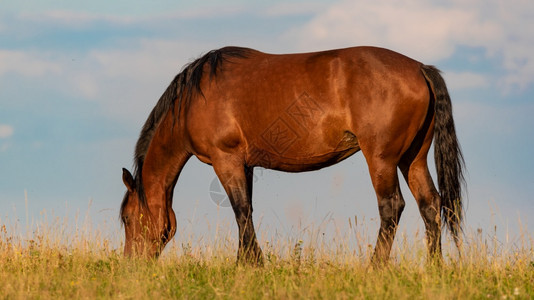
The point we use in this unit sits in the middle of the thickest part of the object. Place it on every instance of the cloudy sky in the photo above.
(78, 79)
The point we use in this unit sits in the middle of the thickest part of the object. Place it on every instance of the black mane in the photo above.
(182, 88)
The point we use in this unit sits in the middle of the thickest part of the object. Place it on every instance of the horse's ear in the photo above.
(128, 180)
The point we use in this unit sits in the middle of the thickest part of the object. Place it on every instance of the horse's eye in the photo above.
(126, 219)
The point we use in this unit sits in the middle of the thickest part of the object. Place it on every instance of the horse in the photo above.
(237, 108)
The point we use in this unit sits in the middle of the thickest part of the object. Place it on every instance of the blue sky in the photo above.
(78, 79)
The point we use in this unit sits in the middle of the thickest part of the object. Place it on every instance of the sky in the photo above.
(78, 80)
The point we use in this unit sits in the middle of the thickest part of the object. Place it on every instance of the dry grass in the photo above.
(57, 260)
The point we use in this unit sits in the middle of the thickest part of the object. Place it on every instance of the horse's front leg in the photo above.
(236, 179)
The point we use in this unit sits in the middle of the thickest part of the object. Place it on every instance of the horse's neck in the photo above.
(164, 160)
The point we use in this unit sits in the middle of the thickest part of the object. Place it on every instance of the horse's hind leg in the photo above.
(428, 200)
(415, 170)
(390, 205)
(236, 179)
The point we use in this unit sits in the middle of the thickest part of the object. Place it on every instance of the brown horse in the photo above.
(237, 108)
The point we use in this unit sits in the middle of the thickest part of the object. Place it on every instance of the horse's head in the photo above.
(146, 232)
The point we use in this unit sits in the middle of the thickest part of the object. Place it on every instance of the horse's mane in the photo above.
(182, 89)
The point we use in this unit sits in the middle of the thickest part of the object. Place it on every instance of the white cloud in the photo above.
(478, 118)
(128, 83)
(146, 60)
(27, 64)
(431, 31)
(416, 27)
(465, 80)
(6, 131)
(74, 17)
(294, 8)
(82, 18)
(86, 84)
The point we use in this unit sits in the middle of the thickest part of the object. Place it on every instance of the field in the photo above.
(57, 261)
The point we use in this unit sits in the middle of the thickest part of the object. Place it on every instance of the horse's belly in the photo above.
(288, 153)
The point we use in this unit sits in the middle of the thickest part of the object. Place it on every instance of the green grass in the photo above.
(53, 263)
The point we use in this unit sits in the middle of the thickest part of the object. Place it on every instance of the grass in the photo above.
(55, 262)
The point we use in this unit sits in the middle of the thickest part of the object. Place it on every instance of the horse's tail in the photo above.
(447, 154)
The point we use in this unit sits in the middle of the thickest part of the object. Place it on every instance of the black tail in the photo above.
(447, 154)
